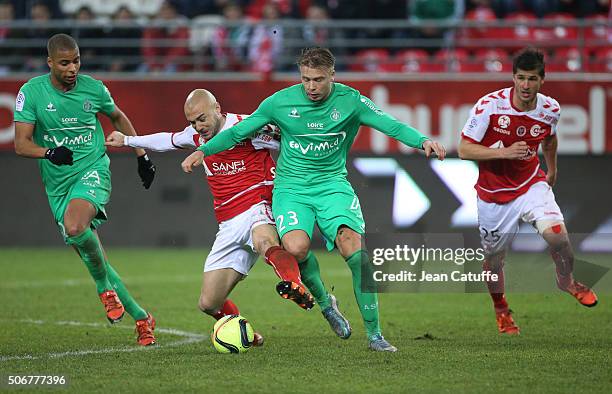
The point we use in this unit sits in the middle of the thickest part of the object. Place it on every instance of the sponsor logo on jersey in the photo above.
(335, 115)
(319, 149)
(50, 107)
(315, 125)
(19, 101)
(228, 168)
(294, 113)
(521, 131)
(502, 131)
(87, 106)
(78, 140)
(504, 121)
(536, 130)
(91, 178)
(503, 108)
(70, 120)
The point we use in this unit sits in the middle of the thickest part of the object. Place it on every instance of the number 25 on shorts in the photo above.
(292, 220)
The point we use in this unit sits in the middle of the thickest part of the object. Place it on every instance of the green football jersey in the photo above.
(65, 119)
(315, 136)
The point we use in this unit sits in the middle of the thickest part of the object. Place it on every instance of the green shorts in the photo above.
(93, 185)
(330, 207)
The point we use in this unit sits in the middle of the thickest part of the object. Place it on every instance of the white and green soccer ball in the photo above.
(232, 334)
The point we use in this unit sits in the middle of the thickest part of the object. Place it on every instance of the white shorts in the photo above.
(233, 247)
(499, 223)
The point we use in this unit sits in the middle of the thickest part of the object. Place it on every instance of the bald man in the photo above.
(241, 181)
(56, 122)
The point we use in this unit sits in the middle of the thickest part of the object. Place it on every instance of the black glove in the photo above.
(146, 170)
(59, 156)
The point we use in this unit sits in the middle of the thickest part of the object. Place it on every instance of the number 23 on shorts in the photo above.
(291, 220)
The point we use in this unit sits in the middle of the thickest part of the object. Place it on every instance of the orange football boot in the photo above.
(505, 323)
(112, 304)
(144, 328)
(583, 294)
(296, 293)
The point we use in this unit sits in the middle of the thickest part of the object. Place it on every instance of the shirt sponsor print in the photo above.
(504, 121)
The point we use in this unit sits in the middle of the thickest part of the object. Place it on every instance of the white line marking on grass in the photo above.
(189, 337)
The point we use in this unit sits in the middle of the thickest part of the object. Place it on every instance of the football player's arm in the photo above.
(122, 123)
(24, 142)
(158, 142)
(26, 147)
(549, 150)
(146, 168)
(372, 116)
(25, 121)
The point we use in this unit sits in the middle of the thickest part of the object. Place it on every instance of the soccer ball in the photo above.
(232, 334)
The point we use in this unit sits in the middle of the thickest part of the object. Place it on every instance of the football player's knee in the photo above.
(298, 249)
(264, 243)
(208, 305)
(74, 228)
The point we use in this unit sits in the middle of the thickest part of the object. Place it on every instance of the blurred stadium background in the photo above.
(424, 61)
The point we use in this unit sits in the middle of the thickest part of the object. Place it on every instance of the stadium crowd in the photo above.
(171, 36)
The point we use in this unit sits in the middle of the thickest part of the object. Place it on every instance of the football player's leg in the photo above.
(76, 226)
(297, 242)
(266, 243)
(498, 225)
(562, 254)
(295, 222)
(351, 247)
(544, 213)
(216, 287)
(131, 306)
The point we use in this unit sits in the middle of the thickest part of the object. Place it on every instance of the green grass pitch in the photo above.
(52, 323)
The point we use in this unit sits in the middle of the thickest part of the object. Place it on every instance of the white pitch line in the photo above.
(189, 337)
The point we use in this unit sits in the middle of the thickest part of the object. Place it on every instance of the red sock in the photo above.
(284, 264)
(496, 289)
(228, 308)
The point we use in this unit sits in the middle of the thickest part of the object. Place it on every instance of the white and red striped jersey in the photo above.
(239, 177)
(495, 123)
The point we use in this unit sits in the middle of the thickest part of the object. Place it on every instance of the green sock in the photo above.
(129, 303)
(311, 276)
(367, 302)
(91, 253)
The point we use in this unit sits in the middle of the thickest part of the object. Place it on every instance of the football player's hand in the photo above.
(434, 147)
(146, 170)
(518, 150)
(193, 160)
(59, 156)
(551, 178)
(116, 139)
